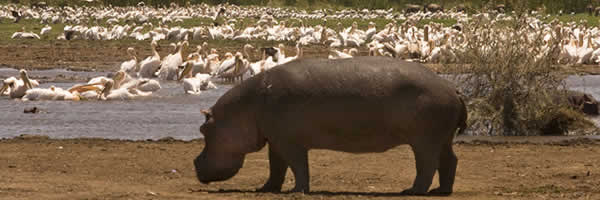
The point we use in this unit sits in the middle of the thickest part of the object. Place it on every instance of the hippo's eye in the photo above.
(208, 117)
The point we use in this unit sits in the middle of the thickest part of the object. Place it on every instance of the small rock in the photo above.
(166, 139)
(33, 137)
(152, 193)
(12, 166)
(574, 177)
(32, 110)
(588, 173)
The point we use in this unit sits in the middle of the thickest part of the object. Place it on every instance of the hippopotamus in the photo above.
(355, 105)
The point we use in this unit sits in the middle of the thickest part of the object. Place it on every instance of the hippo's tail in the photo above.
(462, 123)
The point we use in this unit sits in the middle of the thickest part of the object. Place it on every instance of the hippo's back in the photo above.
(365, 77)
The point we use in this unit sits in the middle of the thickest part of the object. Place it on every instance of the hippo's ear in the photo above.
(207, 114)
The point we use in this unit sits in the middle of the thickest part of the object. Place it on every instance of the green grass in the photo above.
(7, 28)
(581, 18)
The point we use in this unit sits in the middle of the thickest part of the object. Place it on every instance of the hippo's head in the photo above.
(227, 141)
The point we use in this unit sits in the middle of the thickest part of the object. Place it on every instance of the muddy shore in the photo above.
(34, 167)
(106, 56)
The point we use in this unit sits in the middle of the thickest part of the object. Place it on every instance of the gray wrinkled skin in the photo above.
(358, 105)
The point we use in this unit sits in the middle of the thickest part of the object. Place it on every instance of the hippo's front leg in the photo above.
(277, 169)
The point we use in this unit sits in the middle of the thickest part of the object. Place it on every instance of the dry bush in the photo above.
(508, 75)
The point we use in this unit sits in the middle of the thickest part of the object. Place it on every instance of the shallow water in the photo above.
(167, 113)
(587, 83)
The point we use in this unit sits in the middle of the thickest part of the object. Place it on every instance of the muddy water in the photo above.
(167, 113)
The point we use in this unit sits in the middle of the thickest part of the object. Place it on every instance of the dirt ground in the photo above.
(41, 168)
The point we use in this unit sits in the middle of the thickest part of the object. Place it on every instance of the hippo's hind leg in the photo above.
(277, 169)
(447, 170)
(427, 162)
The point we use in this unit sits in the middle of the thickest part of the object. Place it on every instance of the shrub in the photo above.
(511, 80)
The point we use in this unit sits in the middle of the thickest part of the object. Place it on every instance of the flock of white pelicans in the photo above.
(430, 43)
(136, 78)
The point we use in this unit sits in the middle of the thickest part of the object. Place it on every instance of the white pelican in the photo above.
(245, 51)
(212, 62)
(149, 65)
(343, 54)
(265, 64)
(148, 85)
(16, 88)
(108, 93)
(291, 58)
(143, 84)
(399, 50)
(88, 91)
(237, 70)
(130, 66)
(94, 87)
(197, 63)
(119, 78)
(45, 30)
(197, 84)
(52, 93)
(227, 63)
(371, 31)
(169, 66)
(24, 35)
